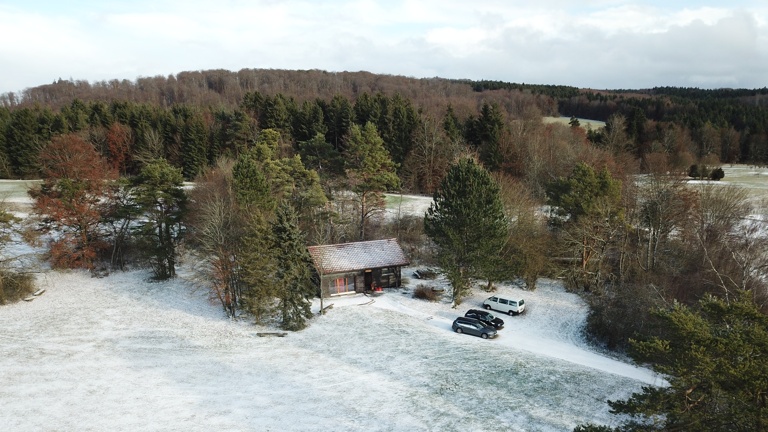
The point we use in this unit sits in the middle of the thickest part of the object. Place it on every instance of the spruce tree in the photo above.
(257, 267)
(466, 221)
(293, 269)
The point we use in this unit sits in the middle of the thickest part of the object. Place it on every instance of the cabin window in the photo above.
(341, 285)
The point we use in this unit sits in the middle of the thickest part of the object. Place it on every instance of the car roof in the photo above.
(505, 297)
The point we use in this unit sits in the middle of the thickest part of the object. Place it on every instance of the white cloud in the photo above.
(604, 44)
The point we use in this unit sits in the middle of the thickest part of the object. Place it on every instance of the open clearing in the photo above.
(122, 354)
(585, 123)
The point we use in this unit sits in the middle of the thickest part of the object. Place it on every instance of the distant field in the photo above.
(585, 123)
(754, 179)
(15, 190)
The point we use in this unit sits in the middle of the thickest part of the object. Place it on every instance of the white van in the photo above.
(509, 305)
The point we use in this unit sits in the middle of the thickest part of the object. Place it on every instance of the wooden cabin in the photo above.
(356, 267)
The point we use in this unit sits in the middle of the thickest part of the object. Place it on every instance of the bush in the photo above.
(14, 286)
(716, 174)
(424, 292)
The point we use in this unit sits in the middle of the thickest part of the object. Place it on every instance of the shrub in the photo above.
(424, 292)
(14, 286)
(716, 174)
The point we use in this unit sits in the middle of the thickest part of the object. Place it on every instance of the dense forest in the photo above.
(684, 126)
(282, 159)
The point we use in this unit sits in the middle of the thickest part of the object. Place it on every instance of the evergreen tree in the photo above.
(338, 119)
(370, 170)
(716, 362)
(308, 122)
(397, 127)
(367, 109)
(24, 142)
(452, 125)
(466, 221)
(159, 194)
(99, 115)
(5, 165)
(293, 269)
(75, 116)
(275, 113)
(231, 134)
(258, 267)
(491, 126)
(320, 156)
(588, 205)
(250, 185)
(582, 192)
(194, 146)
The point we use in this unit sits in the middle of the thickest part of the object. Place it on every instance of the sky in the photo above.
(601, 44)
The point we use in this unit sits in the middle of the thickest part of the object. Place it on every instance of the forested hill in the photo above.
(688, 125)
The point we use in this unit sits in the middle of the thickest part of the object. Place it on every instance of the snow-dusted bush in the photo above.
(14, 286)
(424, 292)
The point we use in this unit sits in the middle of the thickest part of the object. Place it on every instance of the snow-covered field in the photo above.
(123, 354)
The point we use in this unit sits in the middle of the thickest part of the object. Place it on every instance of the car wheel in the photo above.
(487, 307)
(458, 330)
(511, 313)
(484, 335)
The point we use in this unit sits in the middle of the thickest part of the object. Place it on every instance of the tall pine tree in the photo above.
(158, 191)
(467, 223)
(370, 170)
(293, 269)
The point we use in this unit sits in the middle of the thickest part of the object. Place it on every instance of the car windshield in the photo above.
(521, 302)
(489, 316)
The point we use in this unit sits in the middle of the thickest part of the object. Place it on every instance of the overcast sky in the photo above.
(604, 44)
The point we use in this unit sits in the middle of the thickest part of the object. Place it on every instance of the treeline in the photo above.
(730, 125)
(722, 125)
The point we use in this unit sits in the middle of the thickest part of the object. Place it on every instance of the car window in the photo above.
(503, 301)
(522, 302)
(512, 303)
(493, 299)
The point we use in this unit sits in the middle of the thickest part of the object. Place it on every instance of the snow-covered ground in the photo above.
(123, 354)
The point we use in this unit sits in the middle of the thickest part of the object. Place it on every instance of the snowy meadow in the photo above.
(121, 353)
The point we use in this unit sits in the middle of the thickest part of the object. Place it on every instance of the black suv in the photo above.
(486, 318)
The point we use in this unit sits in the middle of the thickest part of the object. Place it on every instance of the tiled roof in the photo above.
(347, 257)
